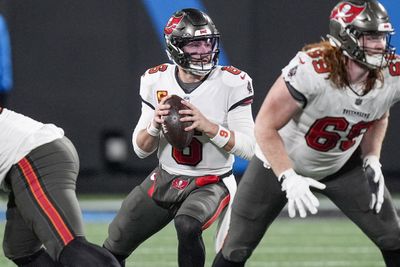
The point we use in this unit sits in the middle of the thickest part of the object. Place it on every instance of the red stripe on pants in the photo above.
(221, 206)
(41, 198)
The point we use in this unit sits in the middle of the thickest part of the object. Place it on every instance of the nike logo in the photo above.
(243, 76)
(301, 61)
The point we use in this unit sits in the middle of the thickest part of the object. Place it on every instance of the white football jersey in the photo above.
(224, 90)
(320, 139)
(19, 135)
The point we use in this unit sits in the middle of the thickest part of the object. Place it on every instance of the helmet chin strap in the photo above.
(200, 69)
(367, 63)
(196, 72)
(193, 72)
(371, 62)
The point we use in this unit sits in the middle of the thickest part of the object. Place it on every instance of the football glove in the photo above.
(299, 194)
(373, 172)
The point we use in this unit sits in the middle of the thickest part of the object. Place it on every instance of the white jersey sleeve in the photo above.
(241, 87)
(19, 135)
(146, 117)
(149, 103)
(298, 75)
(240, 118)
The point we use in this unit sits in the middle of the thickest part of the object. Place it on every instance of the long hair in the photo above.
(336, 62)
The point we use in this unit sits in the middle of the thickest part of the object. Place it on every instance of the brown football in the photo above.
(174, 129)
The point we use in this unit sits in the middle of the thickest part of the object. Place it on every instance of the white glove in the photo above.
(298, 193)
(373, 172)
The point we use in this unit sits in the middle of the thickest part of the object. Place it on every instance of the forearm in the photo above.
(236, 142)
(147, 142)
(272, 117)
(273, 148)
(241, 124)
(373, 138)
(144, 138)
(221, 136)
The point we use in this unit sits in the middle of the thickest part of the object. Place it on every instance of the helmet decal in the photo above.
(202, 32)
(171, 25)
(385, 27)
(346, 12)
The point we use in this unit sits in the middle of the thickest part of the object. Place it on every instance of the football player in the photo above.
(321, 129)
(190, 186)
(38, 169)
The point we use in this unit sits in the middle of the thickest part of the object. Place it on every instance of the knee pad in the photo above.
(39, 259)
(80, 253)
(187, 227)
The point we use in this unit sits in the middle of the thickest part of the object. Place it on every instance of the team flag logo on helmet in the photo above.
(346, 12)
(171, 25)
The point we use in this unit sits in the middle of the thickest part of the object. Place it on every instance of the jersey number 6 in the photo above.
(191, 155)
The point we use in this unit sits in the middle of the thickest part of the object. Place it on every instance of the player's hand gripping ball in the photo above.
(174, 129)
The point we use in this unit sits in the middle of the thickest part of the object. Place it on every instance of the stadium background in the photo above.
(78, 64)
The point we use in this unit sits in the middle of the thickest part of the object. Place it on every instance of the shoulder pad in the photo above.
(313, 59)
(233, 77)
(151, 75)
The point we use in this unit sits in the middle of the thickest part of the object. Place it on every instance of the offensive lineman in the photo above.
(322, 125)
(38, 168)
(194, 185)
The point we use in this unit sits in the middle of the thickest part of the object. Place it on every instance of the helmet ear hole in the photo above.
(185, 26)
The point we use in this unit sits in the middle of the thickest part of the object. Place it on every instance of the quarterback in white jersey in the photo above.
(223, 98)
(321, 128)
(38, 170)
(194, 185)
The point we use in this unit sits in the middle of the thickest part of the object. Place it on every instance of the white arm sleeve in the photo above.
(144, 120)
(240, 120)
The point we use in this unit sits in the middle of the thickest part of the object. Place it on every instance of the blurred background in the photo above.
(78, 64)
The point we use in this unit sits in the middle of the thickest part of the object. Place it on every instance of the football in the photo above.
(172, 128)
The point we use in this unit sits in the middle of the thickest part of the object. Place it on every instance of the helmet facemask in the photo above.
(191, 26)
(372, 58)
(201, 63)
